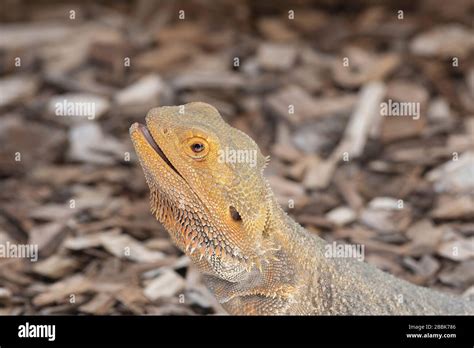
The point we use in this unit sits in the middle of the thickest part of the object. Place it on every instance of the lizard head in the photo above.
(206, 185)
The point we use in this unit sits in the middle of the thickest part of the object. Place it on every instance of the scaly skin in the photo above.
(254, 257)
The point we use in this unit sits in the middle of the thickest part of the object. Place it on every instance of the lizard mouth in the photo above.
(149, 138)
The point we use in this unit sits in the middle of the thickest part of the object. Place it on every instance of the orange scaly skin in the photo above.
(253, 256)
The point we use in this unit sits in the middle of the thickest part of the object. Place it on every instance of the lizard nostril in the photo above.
(235, 214)
(165, 130)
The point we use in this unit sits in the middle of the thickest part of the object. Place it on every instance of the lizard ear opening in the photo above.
(235, 214)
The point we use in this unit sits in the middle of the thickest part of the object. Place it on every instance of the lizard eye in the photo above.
(196, 147)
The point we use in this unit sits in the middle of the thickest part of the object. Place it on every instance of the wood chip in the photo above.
(133, 298)
(462, 275)
(341, 216)
(286, 153)
(384, 215)
(457, 250)
(454, 176)
(444, 41)
(348, 190)
(33, 34)
(426, 267)
(187, 31)
(276, 57)
(276, 30)
(195, 80)
(167, 284)
(16, 89)
(357, 131)
(125, 247)
(364, 68)
(172, 56)
(119, 245)
(99, 305)
(319, 172)
(56, 266)
(89, 241)
(404, 91)
(292, 103)
(141, 95)
(449, 207)
(425, 237)
(52, 212)
(74, 285)
(47, 237)
(285, 187)
(89, 144)
(37, 141)
(5, 294)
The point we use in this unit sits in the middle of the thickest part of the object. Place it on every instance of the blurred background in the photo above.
(306, 79)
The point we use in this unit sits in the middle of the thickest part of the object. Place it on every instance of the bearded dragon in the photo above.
(253, 257)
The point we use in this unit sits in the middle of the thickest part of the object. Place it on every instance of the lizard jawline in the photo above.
(149, 138)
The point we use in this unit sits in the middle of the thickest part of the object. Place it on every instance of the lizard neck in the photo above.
(290, 237)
